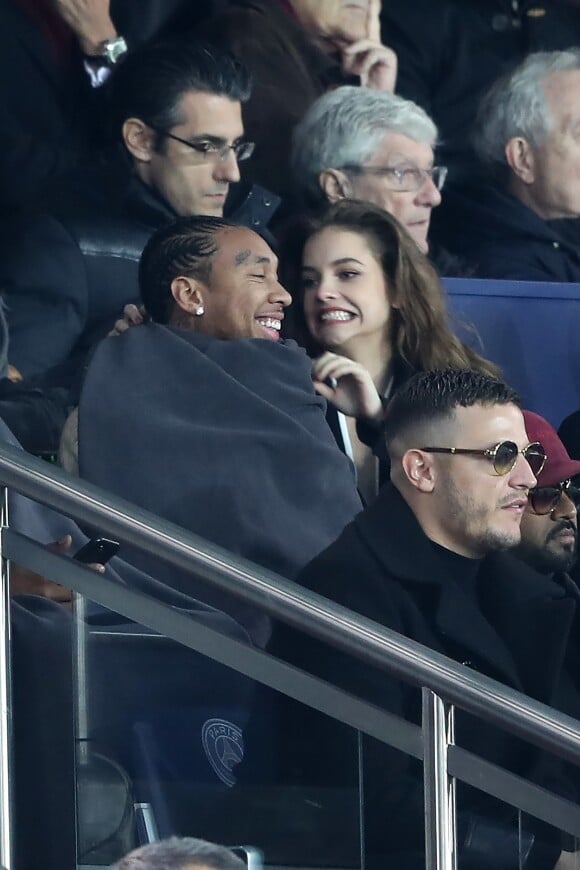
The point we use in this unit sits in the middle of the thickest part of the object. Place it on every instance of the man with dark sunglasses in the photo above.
(428, 559)
(550, 524)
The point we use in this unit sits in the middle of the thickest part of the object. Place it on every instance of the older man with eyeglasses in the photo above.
(371, 145)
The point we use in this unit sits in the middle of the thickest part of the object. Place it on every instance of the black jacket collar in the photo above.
(517, 605)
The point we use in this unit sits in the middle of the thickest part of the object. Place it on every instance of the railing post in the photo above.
(439, 787)
(5, 697)
(80, 679)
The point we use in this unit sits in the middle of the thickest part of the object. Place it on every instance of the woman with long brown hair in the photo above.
(371, 309)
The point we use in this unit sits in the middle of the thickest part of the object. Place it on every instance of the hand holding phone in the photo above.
(98, 551)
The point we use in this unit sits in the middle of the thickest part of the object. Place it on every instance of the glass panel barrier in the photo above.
(493, 832)
(171, 742)
(550, 846)
(298, 792)
(393, 807)
(495, 836)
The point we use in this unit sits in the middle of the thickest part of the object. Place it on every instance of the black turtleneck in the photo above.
(460, 570)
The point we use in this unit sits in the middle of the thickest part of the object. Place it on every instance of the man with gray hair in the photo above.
(527, 136)
(371, 145)
(180, 853)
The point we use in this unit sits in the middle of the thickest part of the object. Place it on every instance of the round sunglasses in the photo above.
(545, 499)
(503, 456)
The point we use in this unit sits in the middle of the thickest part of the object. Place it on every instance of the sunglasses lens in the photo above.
(544, 499)
(536, 457)
(505, 457)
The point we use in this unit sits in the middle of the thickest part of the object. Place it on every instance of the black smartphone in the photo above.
(97, 550)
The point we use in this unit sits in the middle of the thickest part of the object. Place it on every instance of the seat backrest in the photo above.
(135, 675)
(530, 329)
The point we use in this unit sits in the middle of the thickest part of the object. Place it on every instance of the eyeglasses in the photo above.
(503, 456)
(407, 179)
(545, 499)
(210, 151)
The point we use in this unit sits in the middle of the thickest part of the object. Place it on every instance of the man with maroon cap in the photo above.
(549, 524)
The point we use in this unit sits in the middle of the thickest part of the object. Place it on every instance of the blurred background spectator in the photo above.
(296, 50)
(54, 57)
(527, 136)
(451, 51)
(180, 853)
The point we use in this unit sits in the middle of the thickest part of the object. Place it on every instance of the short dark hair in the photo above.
(176, 853)
(183, 247)
(431, 396)
(149, 82)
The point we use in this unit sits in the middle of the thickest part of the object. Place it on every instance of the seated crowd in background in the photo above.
(265, 180)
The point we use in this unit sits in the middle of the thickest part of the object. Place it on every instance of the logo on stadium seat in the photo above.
(223, 744)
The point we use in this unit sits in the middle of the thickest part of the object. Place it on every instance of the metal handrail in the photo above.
(443, 682)
(292, 604)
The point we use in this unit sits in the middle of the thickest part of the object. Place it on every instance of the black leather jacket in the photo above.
(66, 275)
(67, 272)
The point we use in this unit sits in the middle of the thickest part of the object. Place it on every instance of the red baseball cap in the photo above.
(559, 466)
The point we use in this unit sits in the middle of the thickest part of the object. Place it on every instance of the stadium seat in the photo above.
(532, 330)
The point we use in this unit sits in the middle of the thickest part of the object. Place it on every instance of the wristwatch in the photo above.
(112, 49)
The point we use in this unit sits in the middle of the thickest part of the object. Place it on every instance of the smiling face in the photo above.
(345, 293)
(190, 182)
(242, 297)
(473, 510)
(549, 540)
(411, 208)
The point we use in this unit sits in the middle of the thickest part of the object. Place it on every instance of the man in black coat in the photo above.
(67, 272)
(427, 560)
(518, 224)
(50, 110)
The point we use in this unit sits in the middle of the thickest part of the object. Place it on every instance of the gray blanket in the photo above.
(225, 438)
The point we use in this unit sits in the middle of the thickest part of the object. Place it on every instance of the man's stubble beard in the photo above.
(544, 560)
(484, 538)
